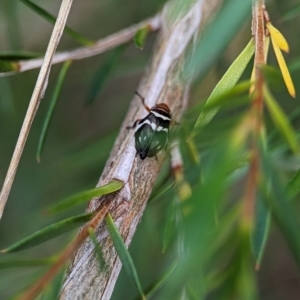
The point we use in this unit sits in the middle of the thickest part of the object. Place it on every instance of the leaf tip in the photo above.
(140, 36)
(293, 94)
(291, 88)
(118, 181)
(278, 38)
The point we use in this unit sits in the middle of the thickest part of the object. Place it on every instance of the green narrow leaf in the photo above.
(53, 291)
(85, 196)
(193, 151)
(98, 250)
(170, 226)
(19, 55)
(280, 120)
(151, 292)
(191, 291)
(293, 187)
(140, 37)
(294, 115)
(51, 19)
(8, 66)
(165, 189)
(272, 75)
(245, 286)
(218, 36)
(123, 254)
(48, 233)
(11, 19)
(25, 263)
(282, 210)
(227, 97)
(294, 65)
(291, 13)
(6, 99)
(111, 60)
(60, 80)
(260, 231)
(227, 82)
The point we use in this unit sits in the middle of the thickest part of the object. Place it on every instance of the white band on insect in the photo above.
(158, 115)
(153, 125)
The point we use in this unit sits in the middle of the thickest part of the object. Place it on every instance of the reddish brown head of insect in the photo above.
(162, 108)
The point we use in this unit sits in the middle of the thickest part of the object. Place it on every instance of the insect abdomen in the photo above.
(151, 134)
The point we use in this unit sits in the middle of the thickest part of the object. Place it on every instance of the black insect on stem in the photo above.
(152, 132)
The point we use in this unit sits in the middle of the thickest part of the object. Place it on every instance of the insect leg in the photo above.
(143, 101)
(134, 124)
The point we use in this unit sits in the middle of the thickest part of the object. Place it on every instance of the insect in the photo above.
(152, 132)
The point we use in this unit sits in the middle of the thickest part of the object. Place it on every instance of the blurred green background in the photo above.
(80, 135)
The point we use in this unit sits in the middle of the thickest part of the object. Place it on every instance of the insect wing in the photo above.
(143, 138)
(158, 142)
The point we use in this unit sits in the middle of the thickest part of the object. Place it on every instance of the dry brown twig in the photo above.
(256, 111)
(99, 47)
(38, 93)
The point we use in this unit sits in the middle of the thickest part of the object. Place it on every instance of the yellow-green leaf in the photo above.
(280, 120)
(278, 38)
(252, 80)
(229, 97)
(267, 46)
(140, 37)
(193, 150)
(8, 66)
(284, 70)
(227, 82)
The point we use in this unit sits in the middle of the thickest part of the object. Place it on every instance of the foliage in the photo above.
(241, 164)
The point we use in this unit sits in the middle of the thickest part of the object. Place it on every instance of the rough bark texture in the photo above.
(163, 82)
